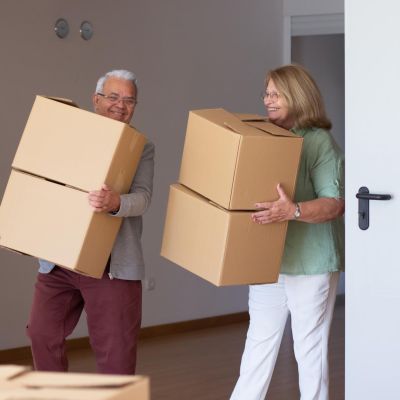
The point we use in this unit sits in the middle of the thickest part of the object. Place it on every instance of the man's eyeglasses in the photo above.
(270, 95)
(114, 99)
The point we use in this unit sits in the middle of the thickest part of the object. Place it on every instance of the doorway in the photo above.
(323, 56)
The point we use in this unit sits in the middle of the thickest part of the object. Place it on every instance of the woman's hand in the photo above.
(275, 211)
(313, 211)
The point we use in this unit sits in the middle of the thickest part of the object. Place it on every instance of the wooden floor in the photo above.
(204, 364)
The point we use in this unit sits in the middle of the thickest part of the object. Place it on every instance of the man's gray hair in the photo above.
(116, 73)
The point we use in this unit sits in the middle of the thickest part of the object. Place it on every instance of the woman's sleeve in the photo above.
(327, 171)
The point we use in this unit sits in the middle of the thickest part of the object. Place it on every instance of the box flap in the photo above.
(226, 119)
(262, 123)
(246, 121)
(243, 124)
(11, 371)
(244, 129)
(219, 116)
(250, 117)
(61, 100)
(55, 394)
(269, 127)
(75, 380)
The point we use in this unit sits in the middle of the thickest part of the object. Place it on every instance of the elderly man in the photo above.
(113, 303)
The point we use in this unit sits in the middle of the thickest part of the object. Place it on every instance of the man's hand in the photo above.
(104, 200)
(275, 211)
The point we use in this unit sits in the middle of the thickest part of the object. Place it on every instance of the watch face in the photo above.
(297, 212)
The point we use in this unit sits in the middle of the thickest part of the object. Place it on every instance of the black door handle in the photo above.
(364, 196)
(371, 196)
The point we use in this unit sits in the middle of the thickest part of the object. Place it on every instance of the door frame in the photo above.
(305, 25)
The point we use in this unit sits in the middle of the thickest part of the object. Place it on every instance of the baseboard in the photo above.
(24, 353)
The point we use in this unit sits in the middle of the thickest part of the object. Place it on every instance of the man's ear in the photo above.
(95, 100)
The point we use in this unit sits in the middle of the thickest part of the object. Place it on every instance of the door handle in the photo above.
(364, 196)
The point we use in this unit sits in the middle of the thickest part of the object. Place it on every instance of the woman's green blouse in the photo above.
(316, 248)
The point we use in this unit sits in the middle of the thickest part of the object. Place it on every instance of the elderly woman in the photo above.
(313, 254)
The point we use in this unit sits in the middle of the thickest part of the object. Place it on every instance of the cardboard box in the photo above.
(77, 147)
(237, 161)
(65, 152)
(223, 247)
(56, 223)
(17, 382)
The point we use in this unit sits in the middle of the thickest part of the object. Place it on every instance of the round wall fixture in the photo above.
(61, 28)
(86, 30)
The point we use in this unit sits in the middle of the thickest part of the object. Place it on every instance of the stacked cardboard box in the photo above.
(64, 153)
(18, 382)
(229, 163)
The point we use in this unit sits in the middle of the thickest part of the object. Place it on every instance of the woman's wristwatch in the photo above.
(297, 211)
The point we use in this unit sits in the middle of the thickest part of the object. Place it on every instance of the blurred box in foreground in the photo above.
(19, 383)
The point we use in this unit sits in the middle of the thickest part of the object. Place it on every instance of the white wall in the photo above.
(187, 54)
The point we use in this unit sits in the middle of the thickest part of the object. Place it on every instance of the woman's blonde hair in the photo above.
(304, 99)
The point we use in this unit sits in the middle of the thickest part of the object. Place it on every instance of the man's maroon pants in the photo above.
(113, 309)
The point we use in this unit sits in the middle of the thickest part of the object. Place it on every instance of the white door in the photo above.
(372, 59)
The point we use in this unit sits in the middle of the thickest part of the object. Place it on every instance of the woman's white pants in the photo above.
(310, 301)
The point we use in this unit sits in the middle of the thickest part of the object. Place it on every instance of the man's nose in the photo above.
(120, 103)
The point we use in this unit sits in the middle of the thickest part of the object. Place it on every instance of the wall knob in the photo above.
(86, 30)
(61, 28)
